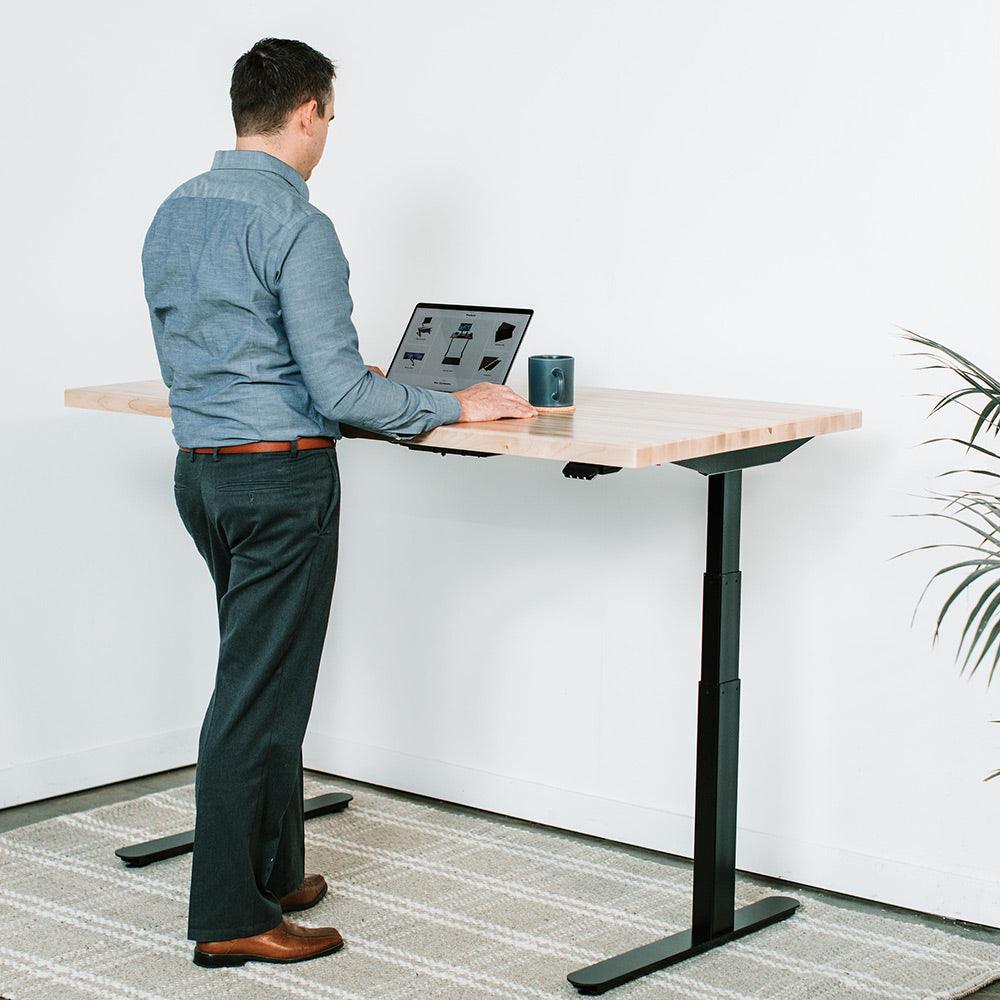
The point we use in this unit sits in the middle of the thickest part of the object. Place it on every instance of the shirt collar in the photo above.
(256, 159)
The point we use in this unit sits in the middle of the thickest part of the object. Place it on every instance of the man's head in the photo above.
(282, 97)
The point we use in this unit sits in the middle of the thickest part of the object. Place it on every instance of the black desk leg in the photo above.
(140, 855)
(714, 919)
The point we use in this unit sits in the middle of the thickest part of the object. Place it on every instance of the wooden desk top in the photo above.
(620, 427)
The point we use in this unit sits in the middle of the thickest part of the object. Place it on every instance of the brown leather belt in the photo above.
(302, 443)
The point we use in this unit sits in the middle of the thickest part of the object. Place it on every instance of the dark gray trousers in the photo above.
(267, 526)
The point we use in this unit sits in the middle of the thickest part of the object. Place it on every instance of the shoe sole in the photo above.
(228, 961)
(306, 906)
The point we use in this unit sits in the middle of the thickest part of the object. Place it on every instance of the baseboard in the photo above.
(95, 766)
(947, 891)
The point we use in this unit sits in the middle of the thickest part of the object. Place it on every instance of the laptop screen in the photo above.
(449, 347)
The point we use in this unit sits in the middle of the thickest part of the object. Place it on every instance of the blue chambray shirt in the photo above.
(247, 287)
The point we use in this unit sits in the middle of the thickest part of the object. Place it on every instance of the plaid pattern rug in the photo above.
(432, 904)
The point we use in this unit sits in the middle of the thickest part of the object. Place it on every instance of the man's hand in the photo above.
(376, 369)
(489, 401)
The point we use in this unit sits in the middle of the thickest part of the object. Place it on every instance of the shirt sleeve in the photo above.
(155, 320)
(316, 306)
(166, 371)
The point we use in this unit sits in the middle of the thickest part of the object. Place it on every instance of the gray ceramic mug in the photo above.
(550, 380)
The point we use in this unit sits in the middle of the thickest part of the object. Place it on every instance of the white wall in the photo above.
(719, 198)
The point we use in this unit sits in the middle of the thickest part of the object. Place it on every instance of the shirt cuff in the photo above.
(450, 406)
(446, 406)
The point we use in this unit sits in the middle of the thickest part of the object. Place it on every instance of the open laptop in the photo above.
(450, 347)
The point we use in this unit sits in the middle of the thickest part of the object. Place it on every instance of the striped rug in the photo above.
(431, 903)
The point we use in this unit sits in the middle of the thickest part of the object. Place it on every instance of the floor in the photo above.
(33, 812)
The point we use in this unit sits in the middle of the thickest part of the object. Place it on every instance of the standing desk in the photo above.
(612, 430)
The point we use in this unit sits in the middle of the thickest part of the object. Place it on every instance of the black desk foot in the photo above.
(648, 958)
(139, 855)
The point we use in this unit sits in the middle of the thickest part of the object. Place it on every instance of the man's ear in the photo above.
(306, 115)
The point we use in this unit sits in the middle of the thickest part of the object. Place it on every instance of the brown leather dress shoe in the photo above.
(280, 944)
(312, 890)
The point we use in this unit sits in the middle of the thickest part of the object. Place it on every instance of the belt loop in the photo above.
(192, 453)
(215, 454)
(294, 451)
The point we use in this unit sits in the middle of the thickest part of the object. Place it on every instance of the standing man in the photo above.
(247, 287)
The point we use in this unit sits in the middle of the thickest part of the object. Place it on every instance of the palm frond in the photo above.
(976, 382)
(973, 511)
(969, 472)
(947, 351)
(969, 444)
(995, 564)
(988, 612)
(976, 574)
(992, 640)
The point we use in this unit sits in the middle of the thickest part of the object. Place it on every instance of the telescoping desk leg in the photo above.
(139, 855)
(714, 919)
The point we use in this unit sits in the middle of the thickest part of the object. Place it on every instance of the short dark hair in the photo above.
(274, 78)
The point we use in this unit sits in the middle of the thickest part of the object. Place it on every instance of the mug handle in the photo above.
(557, 373)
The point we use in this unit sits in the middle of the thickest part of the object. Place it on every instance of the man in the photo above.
(247, 287)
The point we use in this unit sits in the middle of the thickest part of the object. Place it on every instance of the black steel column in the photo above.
(714, 920)
(718, 715)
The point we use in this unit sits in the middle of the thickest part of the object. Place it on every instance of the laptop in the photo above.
(450, 347)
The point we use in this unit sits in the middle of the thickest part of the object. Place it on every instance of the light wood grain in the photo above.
(621, 427)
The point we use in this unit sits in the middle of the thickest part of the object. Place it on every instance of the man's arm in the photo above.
(155, 319)
(166, 371)
(316, 307)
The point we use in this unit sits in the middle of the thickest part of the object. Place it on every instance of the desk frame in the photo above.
(714, 917)
(610, 430)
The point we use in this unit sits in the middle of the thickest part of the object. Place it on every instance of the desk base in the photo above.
(714, 918)
(648, 958)
(140, 855)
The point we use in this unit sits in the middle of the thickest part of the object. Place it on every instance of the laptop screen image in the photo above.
(450, 347)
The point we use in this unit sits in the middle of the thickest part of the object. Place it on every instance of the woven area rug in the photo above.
(431, 903)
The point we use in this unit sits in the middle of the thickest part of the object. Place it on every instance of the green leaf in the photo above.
(952, 397)
(936, 545)
(994, 635)
(987, 615)
(970, 472)
(927, 342)
(984, 418)
(957, 520)
(975, 511)
(949, 569)
(968, 444)
(960, 589)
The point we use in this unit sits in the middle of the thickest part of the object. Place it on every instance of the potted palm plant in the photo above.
(976, 511)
